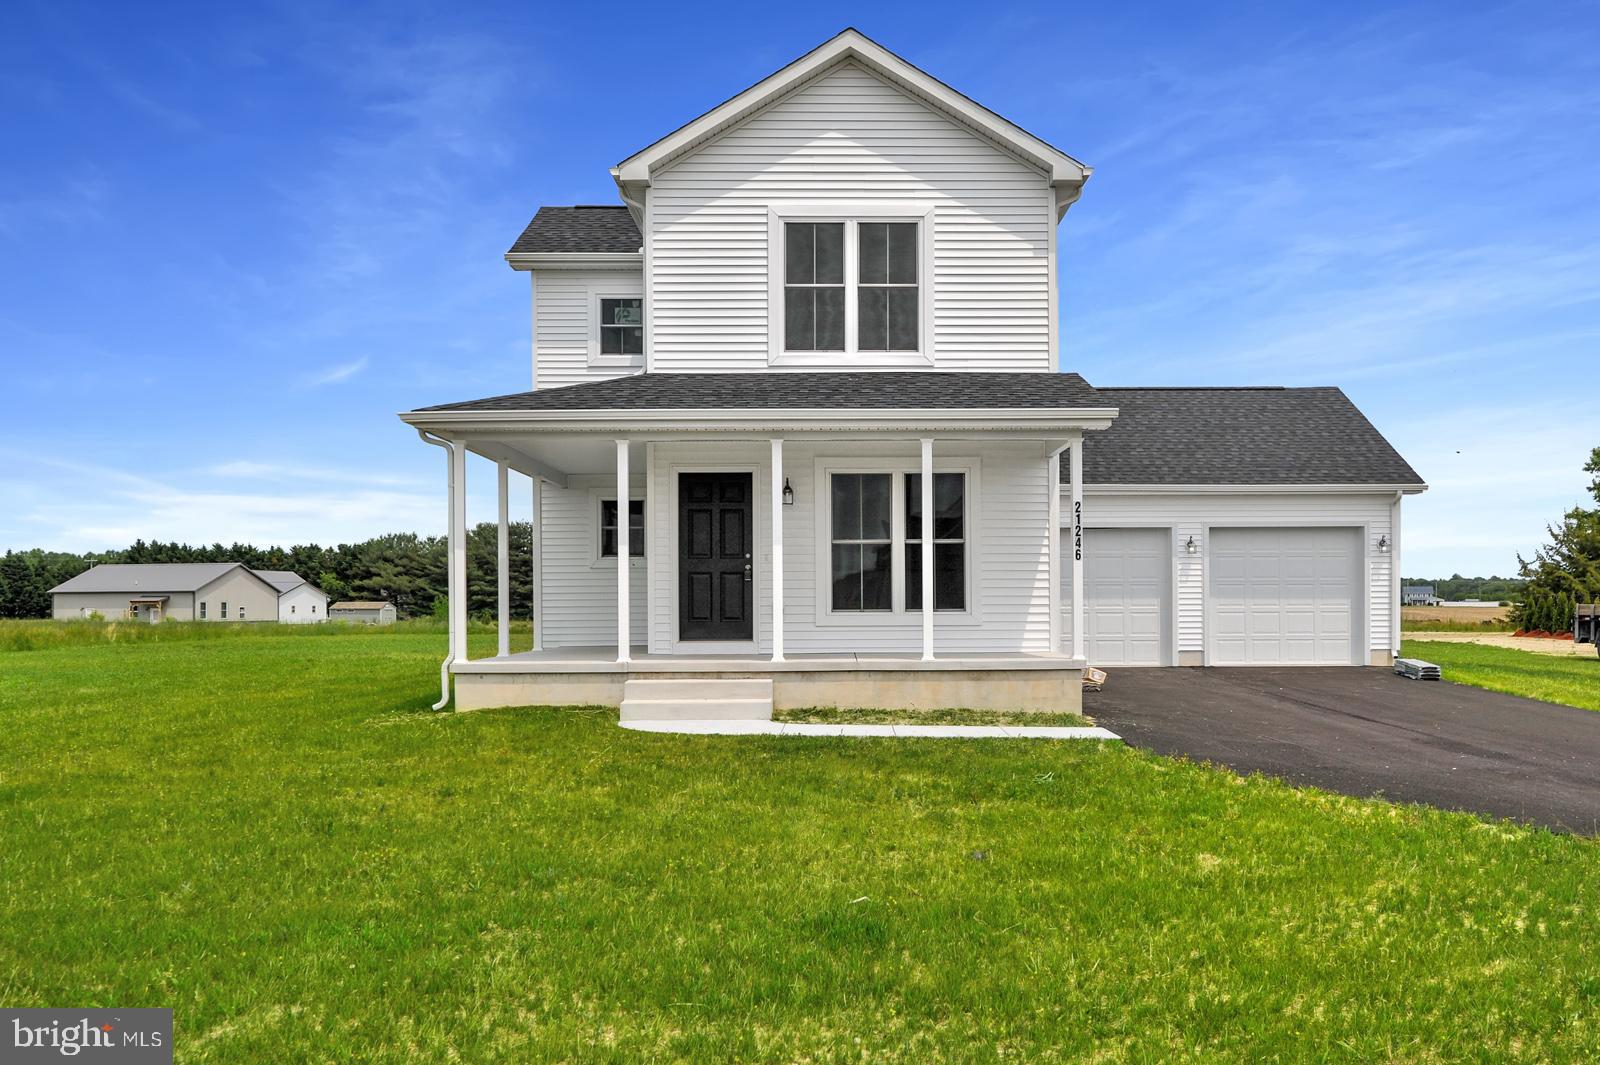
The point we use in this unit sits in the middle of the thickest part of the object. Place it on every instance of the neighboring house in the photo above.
(182, 591)
(299, 601)
(363, 612)
(820, 332)
(1418, 595)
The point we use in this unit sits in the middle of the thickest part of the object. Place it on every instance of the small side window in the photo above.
(202, 611)
(621, 326)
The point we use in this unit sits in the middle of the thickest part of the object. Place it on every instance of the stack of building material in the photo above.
(1416, 669)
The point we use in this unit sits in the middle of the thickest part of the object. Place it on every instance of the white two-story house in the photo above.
(798, 434)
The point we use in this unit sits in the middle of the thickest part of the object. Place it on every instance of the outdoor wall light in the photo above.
(788, 493)
(1191, 547)
(1383, 544)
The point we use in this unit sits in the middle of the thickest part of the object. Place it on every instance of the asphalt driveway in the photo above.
(1368, 732)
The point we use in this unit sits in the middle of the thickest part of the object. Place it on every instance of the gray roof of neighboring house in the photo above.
(147, 577)
(585, 228)
(354, 605)
(1417, 589)
(930, 389)
(1246, 436)
(282, 579)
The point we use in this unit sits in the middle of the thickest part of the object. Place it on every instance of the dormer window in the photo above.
(621, 326)
(853, 290)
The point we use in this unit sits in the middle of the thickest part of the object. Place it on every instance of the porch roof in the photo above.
(770, 390)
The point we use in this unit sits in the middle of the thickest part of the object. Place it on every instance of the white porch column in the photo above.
(1053, 545)
(537, 613)
(927, 549)
(1075, 471)
(456, 586)
(503, 561)
(776, 477)
(624, 640)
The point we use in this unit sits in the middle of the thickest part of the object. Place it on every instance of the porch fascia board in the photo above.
(1037, 422)
(641, 662)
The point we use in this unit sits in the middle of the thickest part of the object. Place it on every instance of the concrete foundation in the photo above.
(1053, 690)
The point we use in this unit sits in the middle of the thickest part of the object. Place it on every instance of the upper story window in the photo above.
(621, 325)
(887, 291)
(813, 286)
(855, 287)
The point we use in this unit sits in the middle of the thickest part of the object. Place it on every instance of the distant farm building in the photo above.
(363, 612)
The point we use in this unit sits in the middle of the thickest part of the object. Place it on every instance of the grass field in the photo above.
(276, 839)
(1572, 681)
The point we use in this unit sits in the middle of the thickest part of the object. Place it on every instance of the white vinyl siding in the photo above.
(1009, 604)
(580, 590)
(1193, 513)
(848, 138)
(566, 325)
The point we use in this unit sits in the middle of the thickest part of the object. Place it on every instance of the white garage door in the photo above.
(1284, 597)
(1127, 576)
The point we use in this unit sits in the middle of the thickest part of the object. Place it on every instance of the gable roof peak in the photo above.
(1065, 173)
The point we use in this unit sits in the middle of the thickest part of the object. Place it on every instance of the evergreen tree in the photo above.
(1566, 571)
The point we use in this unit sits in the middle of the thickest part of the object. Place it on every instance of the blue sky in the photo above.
(235, 239)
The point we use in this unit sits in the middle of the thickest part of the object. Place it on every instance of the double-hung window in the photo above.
(875, 549)
(852, 286)
(949, 541)
(621, 325)
(863, 541)
(608, 528)
(813, 286)
(886, 292)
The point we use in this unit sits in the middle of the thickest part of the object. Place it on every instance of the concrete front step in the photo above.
(697, 700)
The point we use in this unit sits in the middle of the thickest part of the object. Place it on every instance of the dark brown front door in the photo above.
(715, 577)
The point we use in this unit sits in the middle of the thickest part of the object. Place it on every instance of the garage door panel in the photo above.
(1283, 596)
(1127, 596)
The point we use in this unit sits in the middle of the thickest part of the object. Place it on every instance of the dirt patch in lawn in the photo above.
(1535, 644)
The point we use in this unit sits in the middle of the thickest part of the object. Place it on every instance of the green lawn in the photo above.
(1572, 681)
(276, 839)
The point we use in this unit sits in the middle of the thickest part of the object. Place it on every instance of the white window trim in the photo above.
(897, 616)
(595, 295)
(850, 213)
(597, 496)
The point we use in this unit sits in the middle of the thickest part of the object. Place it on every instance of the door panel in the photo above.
(715, 565)
(1284, 596)
(1127, 580)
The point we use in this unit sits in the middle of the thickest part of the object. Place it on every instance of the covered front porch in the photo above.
(778, 544)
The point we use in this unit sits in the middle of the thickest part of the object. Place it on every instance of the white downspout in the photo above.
(450, 473)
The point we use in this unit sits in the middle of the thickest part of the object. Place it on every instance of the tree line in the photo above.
(403, 568)
(1489, 589)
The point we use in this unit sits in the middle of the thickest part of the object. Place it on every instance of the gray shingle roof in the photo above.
(580, 229)
(922, 389)
(1175, 436)
(1169, 436)
(280, 579)
(147, 578)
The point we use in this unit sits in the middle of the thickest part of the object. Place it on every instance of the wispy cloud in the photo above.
(279, 472)
(332, 375)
